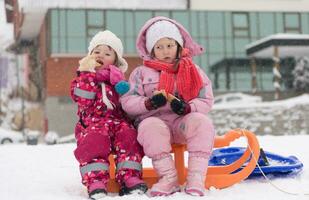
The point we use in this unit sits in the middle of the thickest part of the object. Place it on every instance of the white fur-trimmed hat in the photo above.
(108, 38)
(162, 29)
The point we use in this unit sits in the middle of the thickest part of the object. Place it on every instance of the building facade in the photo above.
(55, 36)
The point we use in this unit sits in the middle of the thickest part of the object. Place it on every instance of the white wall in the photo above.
(61, 115)
(285, 117)
(6, 30)
(251, 5)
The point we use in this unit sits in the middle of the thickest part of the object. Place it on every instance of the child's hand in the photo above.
(160, 92)
(178, 106)
(88, 63)
(156, 101)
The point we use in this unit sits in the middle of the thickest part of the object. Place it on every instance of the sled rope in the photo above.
(267, 179)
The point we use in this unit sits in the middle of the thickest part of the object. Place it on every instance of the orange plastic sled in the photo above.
(217, 176)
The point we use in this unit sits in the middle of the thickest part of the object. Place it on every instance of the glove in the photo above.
(179, 106)
(156, 101)
(122, 87)
(103, 75)
(111, 74)
(88, 64)
(116, 75)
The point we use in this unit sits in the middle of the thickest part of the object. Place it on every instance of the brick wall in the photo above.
(59, 73)
(61, 70)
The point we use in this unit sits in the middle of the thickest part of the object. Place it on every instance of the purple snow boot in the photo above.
(97, 190)
(168, 182)
(196, 175)
(133, 185)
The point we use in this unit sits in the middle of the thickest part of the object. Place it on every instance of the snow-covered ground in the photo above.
(49, 172)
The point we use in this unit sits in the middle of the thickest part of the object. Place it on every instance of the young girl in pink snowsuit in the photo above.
(102, 127)
(170, 97)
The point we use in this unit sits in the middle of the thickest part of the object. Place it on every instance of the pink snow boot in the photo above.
(168, 183)
(133, 185)
(197, 169)
(97, 190)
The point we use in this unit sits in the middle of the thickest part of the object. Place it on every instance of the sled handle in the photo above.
(226, 139)
(222, 176)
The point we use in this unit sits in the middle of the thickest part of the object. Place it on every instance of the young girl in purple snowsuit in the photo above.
(169, 98)
(102, 127)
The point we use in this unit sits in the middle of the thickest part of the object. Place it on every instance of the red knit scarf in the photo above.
(188, 79)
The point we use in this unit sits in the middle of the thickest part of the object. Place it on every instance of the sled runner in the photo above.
(269, 163)
(218, 176)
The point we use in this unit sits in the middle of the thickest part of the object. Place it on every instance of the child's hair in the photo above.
(116, 63)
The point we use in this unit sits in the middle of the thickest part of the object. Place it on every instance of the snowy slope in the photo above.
(50, 173)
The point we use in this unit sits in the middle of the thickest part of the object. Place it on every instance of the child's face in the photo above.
(104, 55)
(165, 50)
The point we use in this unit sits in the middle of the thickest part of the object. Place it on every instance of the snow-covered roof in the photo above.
(32, 5)
(251, 5)
(34, 10)
(288, 45)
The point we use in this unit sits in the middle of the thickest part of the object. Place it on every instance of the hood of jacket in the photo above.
(189, 43)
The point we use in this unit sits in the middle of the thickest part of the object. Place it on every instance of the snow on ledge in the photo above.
(287, 103)
(279, 36)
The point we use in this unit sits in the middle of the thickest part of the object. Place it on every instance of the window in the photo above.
(240, 22)
(266, 24)
(241, 80)
(76, 31)
(239, 46)
(71, 30)
(265, 78)
(162, 13)
(183, 17)
(94, 22)
(215, 21)
(292, 22)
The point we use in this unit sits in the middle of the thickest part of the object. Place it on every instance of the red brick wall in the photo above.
(133, 62)
(60, 72)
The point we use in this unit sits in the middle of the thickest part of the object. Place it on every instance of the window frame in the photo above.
(235, 28)
(288, 29)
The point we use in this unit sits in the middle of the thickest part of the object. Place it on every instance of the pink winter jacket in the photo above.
(144, 81)
(86, 91)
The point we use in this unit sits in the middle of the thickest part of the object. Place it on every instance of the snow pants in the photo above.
(194, 129)
(97, 141)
